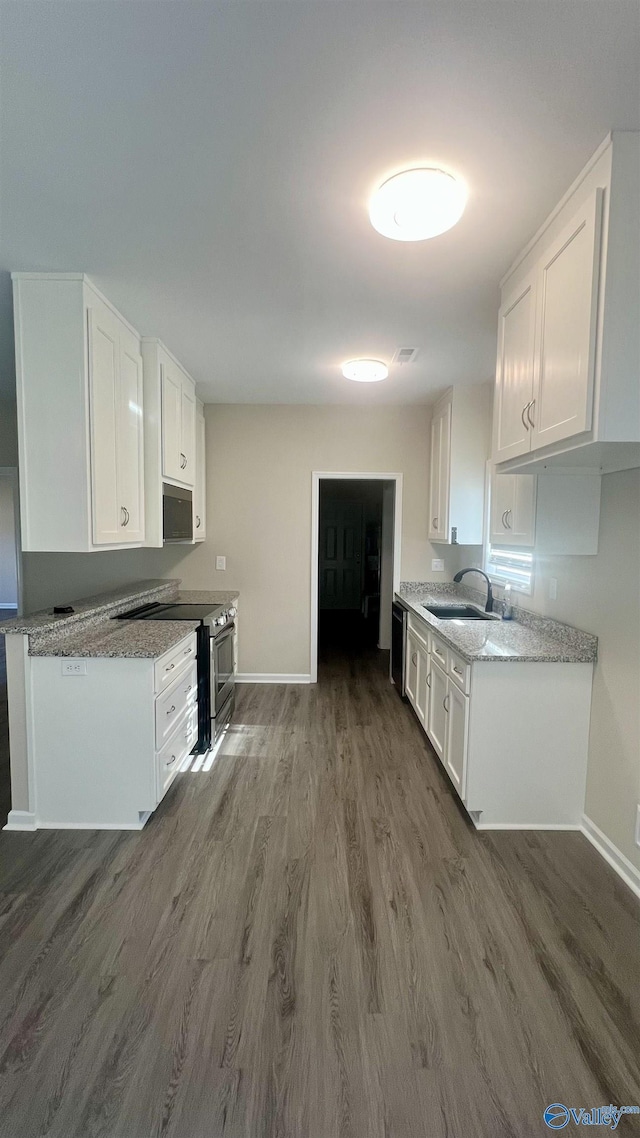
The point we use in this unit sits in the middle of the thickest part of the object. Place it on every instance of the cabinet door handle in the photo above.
(429, 680)
(183, 461)
(414, 659)
(522, 416)
(434, 523)
(124, 516)
(445, 702)
(197, 522)
(171, 709)
(529, 409)
(504, 524)
(507, 523)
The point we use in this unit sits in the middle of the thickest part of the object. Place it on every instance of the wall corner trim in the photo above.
(616, 859)
(273, 678)
(21, 820)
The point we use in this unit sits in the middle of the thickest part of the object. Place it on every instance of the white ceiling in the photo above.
(209, 166)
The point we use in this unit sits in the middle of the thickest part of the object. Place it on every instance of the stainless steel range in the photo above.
(216, 665)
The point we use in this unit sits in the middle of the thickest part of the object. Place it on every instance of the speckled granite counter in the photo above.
(93, 609)
(90, 631)
(530, 637)
(121, 639)
(207, 596)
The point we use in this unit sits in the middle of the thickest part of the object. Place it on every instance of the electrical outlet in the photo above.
(638, 826)
(221, 563)
(553, 589)
(74, 667)
(437, 565)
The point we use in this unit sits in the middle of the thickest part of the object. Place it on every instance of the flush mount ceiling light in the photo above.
(365, 371)
(417, 204)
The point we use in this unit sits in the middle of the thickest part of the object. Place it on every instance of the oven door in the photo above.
(222, 669)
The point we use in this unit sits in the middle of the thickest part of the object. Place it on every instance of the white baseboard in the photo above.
(272, 678)
(20, 820)
(525, 825)
(616, 859)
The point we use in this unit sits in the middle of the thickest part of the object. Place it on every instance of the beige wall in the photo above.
(259, 464)
(601, 594)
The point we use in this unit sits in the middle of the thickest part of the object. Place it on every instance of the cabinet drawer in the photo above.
(168, 666)
(439, 651)
(419, 631)
(173, 704)
(170, 758)
(459, 671)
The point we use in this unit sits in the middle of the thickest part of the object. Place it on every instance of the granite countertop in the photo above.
(93, 608)
(122, 639)
(207, 596)
(529, 637)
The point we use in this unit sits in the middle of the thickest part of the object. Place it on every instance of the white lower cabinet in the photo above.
(511, 736)
(108, 742)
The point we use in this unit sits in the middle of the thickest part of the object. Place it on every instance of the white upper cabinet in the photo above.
(80, 417)
(460, 430)
(567, 391)
(513, 509)
(200, 489)
(178, 423)
(170, 433)
(514, 373)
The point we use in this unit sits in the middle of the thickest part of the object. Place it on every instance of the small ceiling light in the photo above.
(417, 204)
(365, 371)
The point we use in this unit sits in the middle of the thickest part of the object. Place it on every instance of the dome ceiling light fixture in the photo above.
(417, 204)
(365, 371)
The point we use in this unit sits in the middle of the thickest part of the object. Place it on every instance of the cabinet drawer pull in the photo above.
(457, 670)
(525, 424)
(171, 709)
(187, 652)
(169, 667)
(172, 761)
(530, 407)
(188, 688)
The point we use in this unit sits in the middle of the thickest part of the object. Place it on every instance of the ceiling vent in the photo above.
(405, 355)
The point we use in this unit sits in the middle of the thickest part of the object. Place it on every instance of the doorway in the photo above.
(356, 526)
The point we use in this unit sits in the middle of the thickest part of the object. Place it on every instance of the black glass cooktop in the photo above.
(171, 612)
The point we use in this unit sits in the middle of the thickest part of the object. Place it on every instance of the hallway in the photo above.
(311, 941)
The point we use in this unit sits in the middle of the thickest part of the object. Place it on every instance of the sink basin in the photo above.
(458, 612)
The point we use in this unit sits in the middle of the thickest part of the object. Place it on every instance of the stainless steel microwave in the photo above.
(177, 514)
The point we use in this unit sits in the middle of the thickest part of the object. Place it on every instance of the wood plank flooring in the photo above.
(311, 941)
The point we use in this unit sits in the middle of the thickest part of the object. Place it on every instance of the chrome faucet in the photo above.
(458, 577)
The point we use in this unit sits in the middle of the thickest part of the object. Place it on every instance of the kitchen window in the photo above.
(510, 566)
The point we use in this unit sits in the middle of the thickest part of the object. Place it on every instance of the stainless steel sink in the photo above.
(458, 612)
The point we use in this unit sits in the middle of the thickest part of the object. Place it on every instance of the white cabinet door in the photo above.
(565, 355)
(457, 715)
(513, 509)
(130, 441)
(422, 688)
(411, 668)
(437, 720)
(514, 371)
(104, 349)
(187, 432)
(200, 489)
(440, 475)
(171, 422)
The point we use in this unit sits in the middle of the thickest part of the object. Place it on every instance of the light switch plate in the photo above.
(221, 563)
(437, 565)
(74, 667)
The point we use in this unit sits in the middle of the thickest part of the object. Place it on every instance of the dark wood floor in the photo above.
(311, 941)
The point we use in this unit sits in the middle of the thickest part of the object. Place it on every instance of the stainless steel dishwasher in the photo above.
(398, 646)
